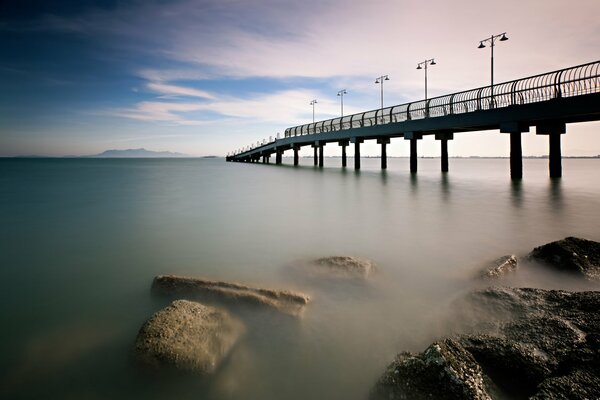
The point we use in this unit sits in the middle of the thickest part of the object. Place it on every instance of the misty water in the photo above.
(82, 239)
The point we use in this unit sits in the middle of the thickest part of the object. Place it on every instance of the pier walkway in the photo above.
(547, 101)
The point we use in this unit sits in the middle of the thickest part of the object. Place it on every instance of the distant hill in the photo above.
(137, 153)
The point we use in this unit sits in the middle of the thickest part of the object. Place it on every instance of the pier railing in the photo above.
(573, 81)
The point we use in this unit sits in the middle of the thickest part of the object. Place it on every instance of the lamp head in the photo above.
(386, 78)
(432, 62)
(503, 38)
(419, 66)
(481, 45)
(377, 80)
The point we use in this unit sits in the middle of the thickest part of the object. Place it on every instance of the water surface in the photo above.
(81, 240)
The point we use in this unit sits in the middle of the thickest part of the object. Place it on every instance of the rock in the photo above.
(549, 348)
(233, 293)
(574, 255)
(188, 336)
(344, 266)
(444, 371)
(500, 267)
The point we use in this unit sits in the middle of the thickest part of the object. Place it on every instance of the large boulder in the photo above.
(573, 255)
(188, 336)
(548, 348)
(343, 266)
(284, 301)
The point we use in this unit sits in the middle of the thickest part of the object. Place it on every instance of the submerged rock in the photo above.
(500, 267)
(345, 266)
(550, 348)
(188, 336)
(195, 288)
(574, 255)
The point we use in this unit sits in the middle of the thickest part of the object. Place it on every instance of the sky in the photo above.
(205, 77)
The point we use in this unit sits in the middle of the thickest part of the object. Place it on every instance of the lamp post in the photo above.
(341, 93)
(312, 103)
(380, 81)
(423, 65)
(492, 40)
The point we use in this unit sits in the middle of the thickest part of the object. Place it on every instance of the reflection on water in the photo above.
(517, 192)
(556, 192)
(82, 239)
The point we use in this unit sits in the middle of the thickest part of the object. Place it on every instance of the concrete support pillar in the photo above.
(516, 156)
(413, 156)
(413, 137)
(316, 156)
(343, 143)
(555, 156)
(278, 157)
(444, 155)
(321, 145)
(383, 142)
(553, 130)
(296, 159)
(516, 153)
(357, 143)
(443, 137)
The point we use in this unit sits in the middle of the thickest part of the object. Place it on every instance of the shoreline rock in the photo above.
(572, 255)
(344, 266)
(500, 267)
(284, 301)
(549, 348)
(187, 336)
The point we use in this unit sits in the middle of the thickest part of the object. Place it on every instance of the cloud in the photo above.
(281, 107)
(155, 111)
(173, 90)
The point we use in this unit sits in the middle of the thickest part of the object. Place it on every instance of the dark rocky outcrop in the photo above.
(500, 267)
(187, 336)
(344, 266)
(232, 293)
(573, 255)
(541, 344)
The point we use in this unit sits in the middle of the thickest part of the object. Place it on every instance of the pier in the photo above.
(547, 102)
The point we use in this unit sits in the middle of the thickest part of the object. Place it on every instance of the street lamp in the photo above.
(341, 93)
(492, 40)
(312, 103)
(423, 65)
(380, 81)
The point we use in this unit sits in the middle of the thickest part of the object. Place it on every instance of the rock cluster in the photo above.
(187, 336)
(551, 346)
(527, 343)
(201, 289)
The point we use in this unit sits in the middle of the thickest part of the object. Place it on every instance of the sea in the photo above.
(82, 239)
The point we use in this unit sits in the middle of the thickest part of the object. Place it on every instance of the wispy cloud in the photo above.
(282, 107)
(176, 91)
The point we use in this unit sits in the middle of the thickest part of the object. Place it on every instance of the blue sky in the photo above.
(208, 77)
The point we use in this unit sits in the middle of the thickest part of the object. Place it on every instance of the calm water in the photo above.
(81, 240)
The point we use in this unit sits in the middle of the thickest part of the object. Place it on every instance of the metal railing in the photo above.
(573, 81)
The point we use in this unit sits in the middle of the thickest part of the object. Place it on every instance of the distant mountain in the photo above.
(137, 153)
